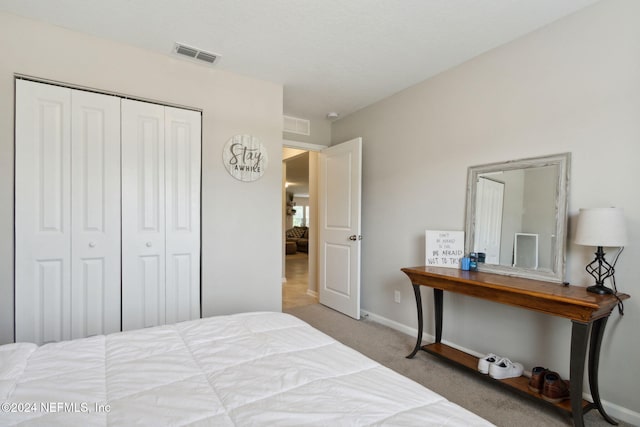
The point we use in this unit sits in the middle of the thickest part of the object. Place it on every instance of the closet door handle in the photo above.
(92, 244)
(148, 244)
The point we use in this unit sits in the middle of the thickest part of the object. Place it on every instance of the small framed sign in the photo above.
(444, 248)
(245, 158)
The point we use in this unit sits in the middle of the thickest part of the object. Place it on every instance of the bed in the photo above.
(239, 370)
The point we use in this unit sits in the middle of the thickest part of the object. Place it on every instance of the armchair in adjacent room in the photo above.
(299, 235)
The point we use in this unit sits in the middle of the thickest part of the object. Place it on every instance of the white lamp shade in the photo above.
(601, 227)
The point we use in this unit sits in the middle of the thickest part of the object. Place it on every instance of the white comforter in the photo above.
(247, 369)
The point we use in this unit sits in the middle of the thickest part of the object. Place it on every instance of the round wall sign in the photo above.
(245, 157)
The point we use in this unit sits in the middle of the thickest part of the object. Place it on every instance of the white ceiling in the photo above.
(330, 55)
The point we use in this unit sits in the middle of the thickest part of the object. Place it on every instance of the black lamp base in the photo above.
(600, 289)
(600, 270)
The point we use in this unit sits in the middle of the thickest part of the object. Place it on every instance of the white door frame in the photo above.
(303, 145)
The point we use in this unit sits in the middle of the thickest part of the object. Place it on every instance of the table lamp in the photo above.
(601, 227)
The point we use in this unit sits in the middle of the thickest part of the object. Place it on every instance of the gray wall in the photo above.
(512, 212)
(573, 86)
(539, 211)
(230, 105)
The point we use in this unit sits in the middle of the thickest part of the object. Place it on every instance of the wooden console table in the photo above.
(588, 313)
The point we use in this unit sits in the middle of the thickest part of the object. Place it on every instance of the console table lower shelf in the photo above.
(519, 384)
(588, 313)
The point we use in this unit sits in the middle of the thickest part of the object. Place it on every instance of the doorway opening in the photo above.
(334, 247)
(298, 286)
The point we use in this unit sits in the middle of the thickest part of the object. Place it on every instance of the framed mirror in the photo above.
(516, 215)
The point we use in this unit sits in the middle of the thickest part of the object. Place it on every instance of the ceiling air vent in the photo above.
(195, 53)
(296, 125)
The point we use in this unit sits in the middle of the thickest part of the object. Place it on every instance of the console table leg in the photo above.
(579, 340)
(597, 332)
(437, 302)
(416, 291)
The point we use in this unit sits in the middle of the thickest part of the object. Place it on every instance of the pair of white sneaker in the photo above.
(499, 367)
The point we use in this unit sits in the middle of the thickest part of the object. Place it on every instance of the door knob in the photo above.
(148, 244)
(354, 237)
(92, 244)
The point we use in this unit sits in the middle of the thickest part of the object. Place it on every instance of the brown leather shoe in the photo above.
(537, 378)
(554, 389)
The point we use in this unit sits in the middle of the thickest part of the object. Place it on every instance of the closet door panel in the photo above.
(143, 215)
(152, 298)
(182, 165)
(42, 216)
(95, 206)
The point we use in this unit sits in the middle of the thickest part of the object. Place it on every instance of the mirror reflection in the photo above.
(516, 216)
(514, 208)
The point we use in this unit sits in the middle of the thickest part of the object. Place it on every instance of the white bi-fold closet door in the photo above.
(67, 213)
(160, 214)
(70, 223)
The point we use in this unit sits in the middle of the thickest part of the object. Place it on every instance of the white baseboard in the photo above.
(616, 411)
(394, 325)
(312, 293)
(413, 331)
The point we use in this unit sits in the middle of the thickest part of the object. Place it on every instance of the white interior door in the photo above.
(339, 205)
(182, 201)
(75, 162)
(95, 211)
(143, 215)
(161, 150)
(488, 227)
(67, 213)
(42, 213)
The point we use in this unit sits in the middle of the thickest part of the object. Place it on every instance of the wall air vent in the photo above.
(195, 53)
(296, 125)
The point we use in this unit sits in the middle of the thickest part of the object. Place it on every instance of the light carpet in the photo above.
(390, 348)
